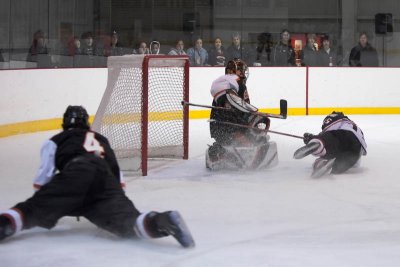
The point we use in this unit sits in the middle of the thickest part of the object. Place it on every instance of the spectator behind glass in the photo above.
(77, 46)
(283, 53)
(38, 46)
(115, 48)
(88, 47)
(179, 48)
(141, 48)
(327, 56)
(263, 49)
(363, 54)
(1, 56)
(216, 55)
(155, 47)
(237, 50)
(198, 56)
(309, 54)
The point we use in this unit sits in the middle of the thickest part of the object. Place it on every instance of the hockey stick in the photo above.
(282, 115)
(255, 128)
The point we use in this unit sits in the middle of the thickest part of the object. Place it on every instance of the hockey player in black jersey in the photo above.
(237, 147)
(338, 147)
(79, 176)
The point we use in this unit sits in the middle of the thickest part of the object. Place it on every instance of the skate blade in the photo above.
(183, 235)
(317, 173)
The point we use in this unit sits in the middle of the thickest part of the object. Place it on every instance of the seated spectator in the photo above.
(198, 56)
(115, 48)
(237, 50)
(363, 54)
(263, 49)
(38, 46)
(88, 47)
(155, 47)
(283, 53)
(141, 48)
(216, 55)
(327, 56)
(309, 54)
(178, 49)
(77, 46)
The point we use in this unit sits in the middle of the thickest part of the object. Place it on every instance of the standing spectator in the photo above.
(1, 56)
(198, 56)
(309, 55)
(327, 56)
(88, 47)
(38, 46)
(115, 48)
(216, 55)
(283, 53)
(363, 54)
(178, 49)
(263, 49)
(237, 50)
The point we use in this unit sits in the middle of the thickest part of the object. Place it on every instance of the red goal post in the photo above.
(141, 112)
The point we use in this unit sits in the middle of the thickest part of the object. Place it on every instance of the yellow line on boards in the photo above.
(54, 124)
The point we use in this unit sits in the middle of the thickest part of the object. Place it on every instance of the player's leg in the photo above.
(10, 223)
(110, 209)
(345, 147)
(315, 147)
(64, 194)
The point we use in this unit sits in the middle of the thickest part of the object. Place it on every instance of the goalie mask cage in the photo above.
(141, 112)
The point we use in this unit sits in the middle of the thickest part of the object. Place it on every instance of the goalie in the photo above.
(236, 146)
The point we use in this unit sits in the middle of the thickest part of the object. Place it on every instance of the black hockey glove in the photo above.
(307, 137)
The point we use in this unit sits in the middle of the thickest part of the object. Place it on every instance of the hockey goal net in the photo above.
(141, 112)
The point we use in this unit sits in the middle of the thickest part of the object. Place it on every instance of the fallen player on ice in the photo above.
(338, 147)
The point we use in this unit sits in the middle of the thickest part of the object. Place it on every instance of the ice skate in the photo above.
(6, 228)
(306, 150)
(172, 223)
(322, 167)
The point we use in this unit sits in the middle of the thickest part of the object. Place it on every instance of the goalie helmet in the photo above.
(235, 65)
(75, 117)
(333, 117)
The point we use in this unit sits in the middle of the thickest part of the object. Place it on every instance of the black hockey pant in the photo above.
(344, 146)
(84, 188)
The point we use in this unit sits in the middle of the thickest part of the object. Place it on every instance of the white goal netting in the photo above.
(141, 112)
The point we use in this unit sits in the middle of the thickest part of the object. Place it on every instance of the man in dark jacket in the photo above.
(363, 55)
(283, 53)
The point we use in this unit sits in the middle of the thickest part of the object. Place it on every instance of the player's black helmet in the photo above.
(333, 117)
(75, 117)
(237, 65)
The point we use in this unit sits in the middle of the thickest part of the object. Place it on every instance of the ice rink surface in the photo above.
(277, 217)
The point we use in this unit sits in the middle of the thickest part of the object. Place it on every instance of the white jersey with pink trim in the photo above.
(348, 125)
(223, 83)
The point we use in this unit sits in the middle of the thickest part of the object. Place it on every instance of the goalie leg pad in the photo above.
(268, 156)
(222, 157)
